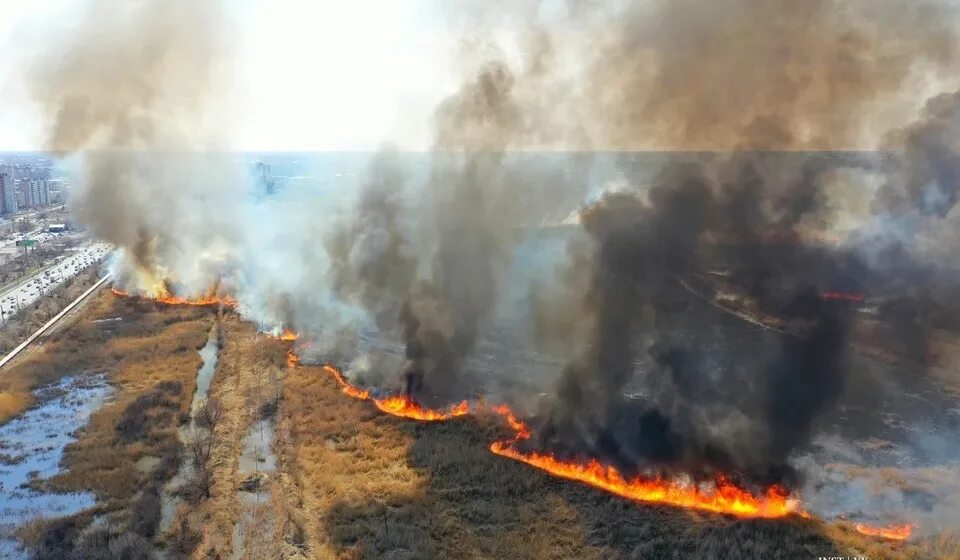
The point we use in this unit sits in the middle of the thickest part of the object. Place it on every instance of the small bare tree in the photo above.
(209, 414)
(198, 445)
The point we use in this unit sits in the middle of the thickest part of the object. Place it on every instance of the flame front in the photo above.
(892, 532)
(725, 497)
(398, 405)
(166, 297)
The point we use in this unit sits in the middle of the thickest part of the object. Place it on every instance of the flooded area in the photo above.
(258, 464)
(205, 374)
(170, 499)
(31, 447)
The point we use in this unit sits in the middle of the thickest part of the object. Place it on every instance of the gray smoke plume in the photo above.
(428, 264)
(131, 91)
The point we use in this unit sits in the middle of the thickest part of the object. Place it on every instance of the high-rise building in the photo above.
(22, 188)
(38, 192)
(8, 195)
(57, 190)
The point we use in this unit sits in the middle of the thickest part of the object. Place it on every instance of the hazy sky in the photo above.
(309, 74)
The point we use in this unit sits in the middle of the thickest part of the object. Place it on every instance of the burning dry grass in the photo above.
(373, 486)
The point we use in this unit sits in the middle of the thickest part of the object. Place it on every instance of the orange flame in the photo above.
(405, 407)
(170, 299)
(892, 532)
(292, 359)
(348, 389)
(725, 497)
(398, 405)
(289, 335)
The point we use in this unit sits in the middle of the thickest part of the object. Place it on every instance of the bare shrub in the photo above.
(209, 414)
(145, 513)
(134, 423)
(198, 446)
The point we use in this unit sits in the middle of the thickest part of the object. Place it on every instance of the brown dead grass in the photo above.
(364, 485)
(151, 360)
(246, 377)
(151, 347)
(13, 403)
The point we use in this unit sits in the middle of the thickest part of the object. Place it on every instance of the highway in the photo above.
(13, 353)
(34, 287)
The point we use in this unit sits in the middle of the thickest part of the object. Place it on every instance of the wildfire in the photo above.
(405, 407)
(398, 405)
(292, 359)
(726, 497)
(289, 335)
(170, 299)
(347, 388)
(892, 532)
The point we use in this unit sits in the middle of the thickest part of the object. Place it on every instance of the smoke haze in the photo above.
(691, 315)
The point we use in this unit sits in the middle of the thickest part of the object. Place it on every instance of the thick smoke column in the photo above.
(131, 90)
(429, 264)
(732, 76)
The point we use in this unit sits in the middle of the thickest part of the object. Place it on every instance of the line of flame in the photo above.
(399, 405)
(726, 497)
(891, 532)
(169, 299)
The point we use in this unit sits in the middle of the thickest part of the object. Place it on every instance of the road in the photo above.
(13, 353)
(34, 287)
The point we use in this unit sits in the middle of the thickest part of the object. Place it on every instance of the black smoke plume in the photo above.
(673, 377)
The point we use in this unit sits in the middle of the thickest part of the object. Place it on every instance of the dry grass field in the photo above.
(246, 383)
(150, 359)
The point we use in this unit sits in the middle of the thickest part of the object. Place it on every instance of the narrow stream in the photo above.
(169, 500)
(258, 464)
(31, 447)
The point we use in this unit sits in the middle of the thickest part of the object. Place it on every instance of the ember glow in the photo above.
(891, 532)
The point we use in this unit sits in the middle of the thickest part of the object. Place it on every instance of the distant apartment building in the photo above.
(22, 188)
(8, 195)
(39, 193)
(57, 190)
